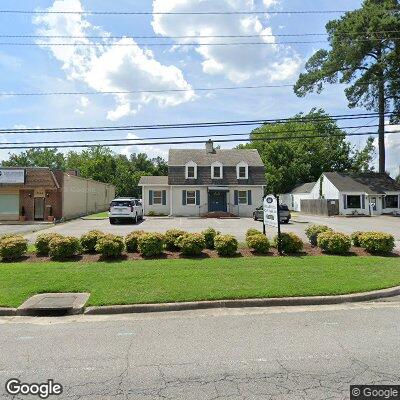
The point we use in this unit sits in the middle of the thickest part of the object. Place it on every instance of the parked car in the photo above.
(123, 209)
(284, 214)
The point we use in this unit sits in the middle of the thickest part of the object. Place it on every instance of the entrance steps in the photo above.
(219, 214)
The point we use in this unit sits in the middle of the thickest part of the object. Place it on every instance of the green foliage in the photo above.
(226, 245)
(99, 163)
(369, 66)
(259, 243)
(89, 240)
(171, 237)
(289, 162)
(110, 246)
(64, 247)
(355, 238)
(334, 242)
(132, 241)
(13, 247)
(42, 243)
(251, 232)
(290, 243)
(314, 230)
(191, 244)
(151, 244)
(377, 242)
(209, 236)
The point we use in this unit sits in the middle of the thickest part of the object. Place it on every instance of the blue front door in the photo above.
(217, 201)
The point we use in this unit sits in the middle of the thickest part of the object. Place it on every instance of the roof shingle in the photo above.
(153, 180)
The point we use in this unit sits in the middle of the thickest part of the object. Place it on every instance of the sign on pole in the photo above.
(271, 216)
(271, 211)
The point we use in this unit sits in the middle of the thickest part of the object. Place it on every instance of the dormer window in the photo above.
(242, 171)
(191, 170)
(216, 170)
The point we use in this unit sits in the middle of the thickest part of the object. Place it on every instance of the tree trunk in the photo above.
(381, 110)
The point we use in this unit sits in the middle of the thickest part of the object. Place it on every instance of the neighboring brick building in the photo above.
(40, 194)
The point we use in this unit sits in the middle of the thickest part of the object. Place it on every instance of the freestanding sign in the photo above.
(271, 211)
(271, 216)
(11, 176)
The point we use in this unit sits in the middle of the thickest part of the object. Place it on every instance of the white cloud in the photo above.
(112, 69)
(237, 63)
(270, 3)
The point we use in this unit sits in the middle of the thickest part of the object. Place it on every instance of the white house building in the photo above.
(206, 182)
(300, 192)
(357, 193)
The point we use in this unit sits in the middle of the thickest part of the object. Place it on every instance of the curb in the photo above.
(268, 302)
(243, 303)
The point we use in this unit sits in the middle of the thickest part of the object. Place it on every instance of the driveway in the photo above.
(236, 227)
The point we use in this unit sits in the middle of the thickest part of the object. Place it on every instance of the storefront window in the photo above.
(392, 201)
(353, 201)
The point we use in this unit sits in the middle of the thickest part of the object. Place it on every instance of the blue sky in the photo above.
(51, 68)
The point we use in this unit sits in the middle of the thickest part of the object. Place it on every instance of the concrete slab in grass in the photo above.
(54, 304)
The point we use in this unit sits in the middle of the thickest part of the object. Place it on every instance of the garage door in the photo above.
(9, 207)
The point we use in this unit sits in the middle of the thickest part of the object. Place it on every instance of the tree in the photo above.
(97, 162)
(364, 53)
(289, 160)
(362, 161)
(36, 158)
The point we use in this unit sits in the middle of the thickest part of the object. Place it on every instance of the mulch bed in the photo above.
(170, 255)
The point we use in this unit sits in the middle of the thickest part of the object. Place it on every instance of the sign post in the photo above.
(272, 217)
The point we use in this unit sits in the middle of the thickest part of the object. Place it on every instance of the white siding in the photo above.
(178, 209)
(241, 210)
(156, 208)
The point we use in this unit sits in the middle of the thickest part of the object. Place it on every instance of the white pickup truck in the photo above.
(125, 209)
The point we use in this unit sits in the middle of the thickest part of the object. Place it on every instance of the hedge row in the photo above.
(338, 243)
(290, 243)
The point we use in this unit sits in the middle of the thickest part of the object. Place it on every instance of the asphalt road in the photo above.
(277, 353)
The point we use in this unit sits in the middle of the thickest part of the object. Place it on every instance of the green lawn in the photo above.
(155, 281)
(102, 215)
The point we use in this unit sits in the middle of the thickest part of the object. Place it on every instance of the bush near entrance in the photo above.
(259, 243)
(171, 237)
(89, 241)
(64, 247)
(43, 241)
(191, 244)
(209, 236)
(226, 245)
(13, 247)
(377, 242)
(151, 244)
(132, 241)
(334, 242)
(110, 246)
(290, 243)
(314, 230)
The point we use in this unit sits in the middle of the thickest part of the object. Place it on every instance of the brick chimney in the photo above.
(210, 147)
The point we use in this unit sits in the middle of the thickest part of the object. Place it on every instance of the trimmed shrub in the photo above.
(259, 243)
(110, 246)
(64, 247)
(355, 238)
(171, 237)
(251, 232)
(191, 244)
(334, 242)
(89, 241)
(13, 247)
(209, 236)
(226, 245)
(314, 230)
(290, 243)
(131, 241)
(151, 244)
(377, 242)
(42, 243)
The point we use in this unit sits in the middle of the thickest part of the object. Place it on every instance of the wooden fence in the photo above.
(320, 207)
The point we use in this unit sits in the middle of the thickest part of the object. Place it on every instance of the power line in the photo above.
(301, 119)
(184, 137)
(200, 89)
(181, 43)
(191, 36)
(244, 12)
(194, 141)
